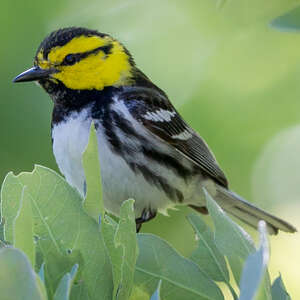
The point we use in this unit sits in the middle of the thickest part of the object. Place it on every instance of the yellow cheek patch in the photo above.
(79, 44)
(42, 63)
(40, 55)
(97, 70)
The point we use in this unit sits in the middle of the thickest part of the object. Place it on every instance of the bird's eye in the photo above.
(70, 59)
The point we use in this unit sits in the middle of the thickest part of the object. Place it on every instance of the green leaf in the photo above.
(11, 191)
(1, 227)
(17, 278)
(138, 293)
(41, 286)
(122, 247)
(181, 278)
(207, 256)
(57, 264)
(64, 288)
(156, 295)
(278, 290)
(289, 21)
(65, 234)
(93, 203)
(2, 244)
(23, 227)
(42, 272)
(232, 241)
(255, 268)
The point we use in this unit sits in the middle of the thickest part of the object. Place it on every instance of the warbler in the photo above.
(146, 150)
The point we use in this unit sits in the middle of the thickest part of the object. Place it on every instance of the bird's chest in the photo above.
(70, 138)
(129, 174)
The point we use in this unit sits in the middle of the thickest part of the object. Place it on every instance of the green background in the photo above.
(233, 77)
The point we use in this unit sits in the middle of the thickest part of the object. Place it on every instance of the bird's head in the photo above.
(80, 59)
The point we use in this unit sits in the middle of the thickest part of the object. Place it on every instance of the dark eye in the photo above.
(70, 59)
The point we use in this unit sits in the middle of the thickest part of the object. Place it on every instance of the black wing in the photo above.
(158, 115)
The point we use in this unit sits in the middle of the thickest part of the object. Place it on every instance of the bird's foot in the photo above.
(147, 215)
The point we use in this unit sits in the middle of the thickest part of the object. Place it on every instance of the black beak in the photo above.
(33, 74)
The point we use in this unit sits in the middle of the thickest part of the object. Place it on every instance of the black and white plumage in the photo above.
(140, 164)
(146, 150)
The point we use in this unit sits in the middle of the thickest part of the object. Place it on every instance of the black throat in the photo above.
(67, 100)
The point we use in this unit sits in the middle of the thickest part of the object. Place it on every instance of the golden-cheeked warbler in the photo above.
(146, 150)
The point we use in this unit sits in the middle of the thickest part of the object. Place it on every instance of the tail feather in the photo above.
(248, 213)
(251, 219)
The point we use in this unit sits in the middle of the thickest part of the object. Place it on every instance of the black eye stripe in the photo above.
(73, 58)
(106, 49)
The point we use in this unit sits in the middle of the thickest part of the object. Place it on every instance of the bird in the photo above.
(147, 151)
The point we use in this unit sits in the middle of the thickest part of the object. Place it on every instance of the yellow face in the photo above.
(88, 62)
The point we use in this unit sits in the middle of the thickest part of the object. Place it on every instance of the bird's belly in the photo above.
(119, 181)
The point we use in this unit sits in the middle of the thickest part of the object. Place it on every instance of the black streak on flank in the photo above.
(160, 182)
(170, 162)
(111, 120)
(106, 120)
(157, 156)
(124, 125)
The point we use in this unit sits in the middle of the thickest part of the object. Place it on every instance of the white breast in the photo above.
(70, 139)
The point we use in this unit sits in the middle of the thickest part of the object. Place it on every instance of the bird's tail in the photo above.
(248, 213)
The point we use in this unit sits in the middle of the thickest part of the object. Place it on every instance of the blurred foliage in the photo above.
(17, 278)
(109, 259)
(289, 21)
(278, 290)
(232, 76)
